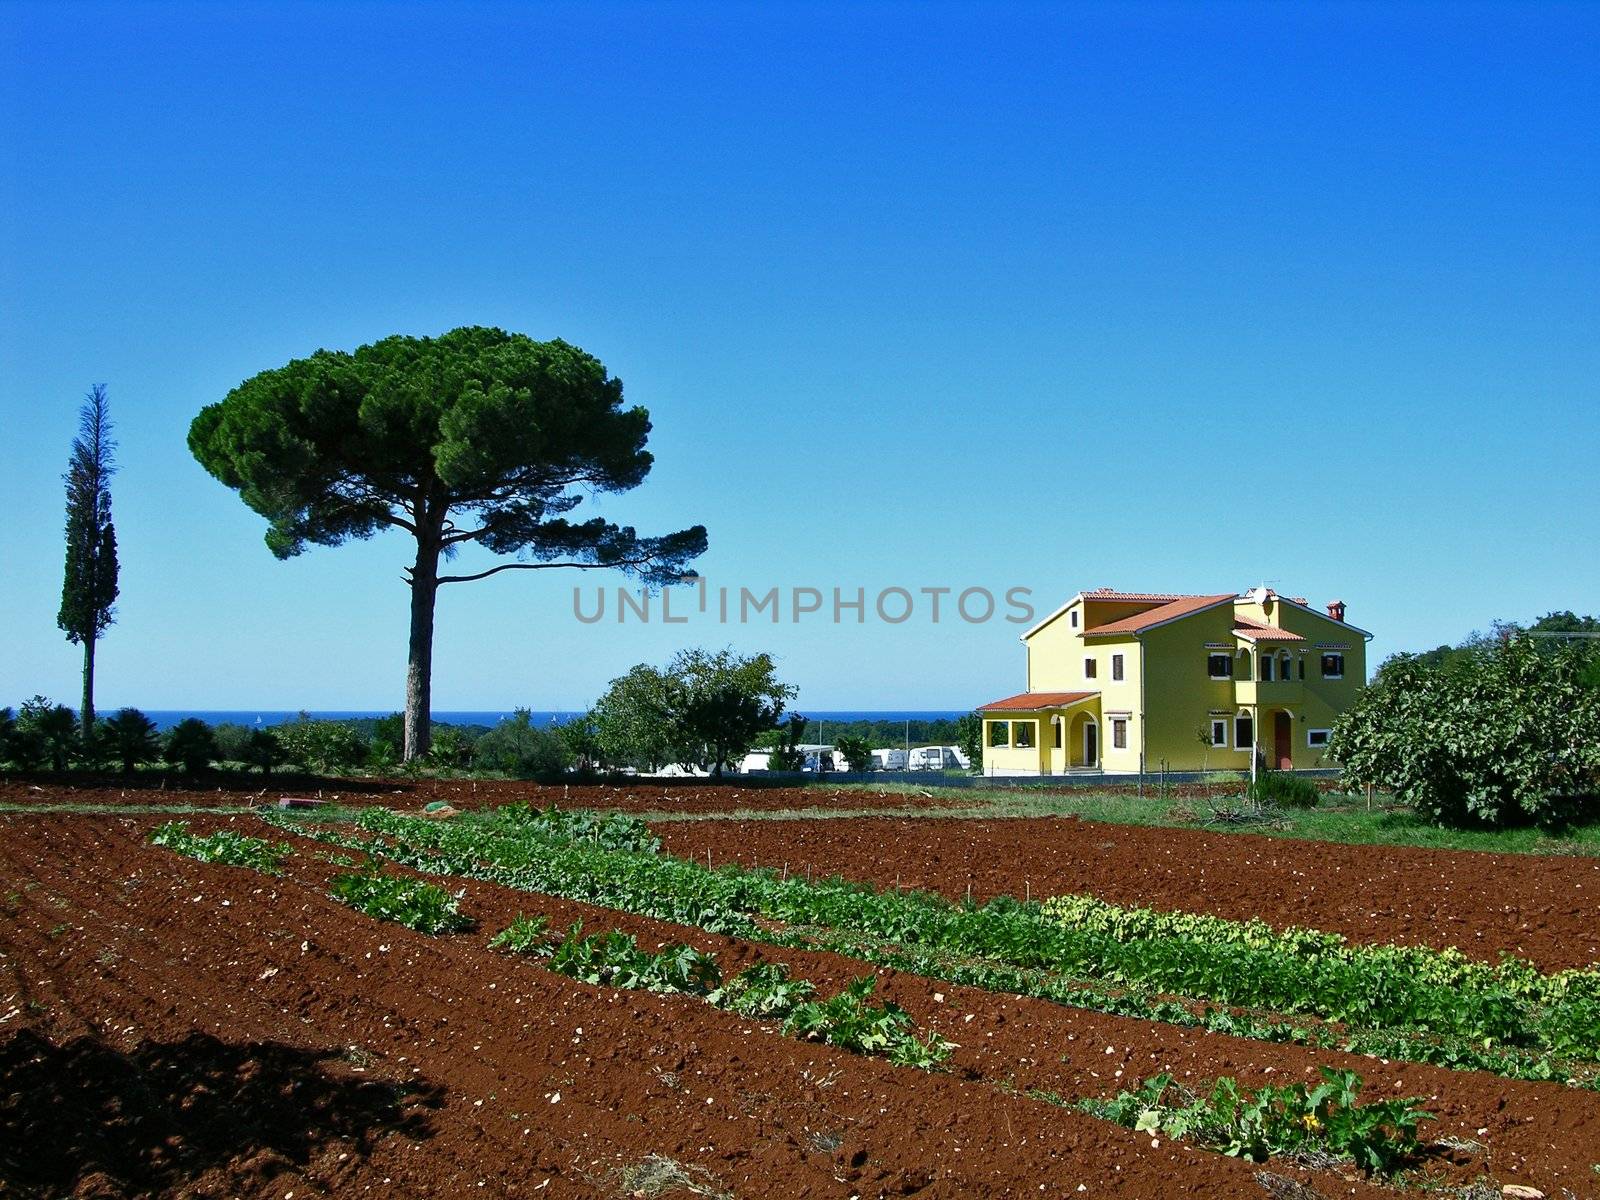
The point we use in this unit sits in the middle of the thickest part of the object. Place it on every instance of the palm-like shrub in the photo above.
(130, 738)
(47, 732)
(190, 745)
(262, 749)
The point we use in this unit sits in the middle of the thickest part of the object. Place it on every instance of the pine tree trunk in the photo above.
(419, 662)
(86, 714)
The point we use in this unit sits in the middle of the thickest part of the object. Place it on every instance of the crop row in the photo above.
(1003, 942)
(1447, 968)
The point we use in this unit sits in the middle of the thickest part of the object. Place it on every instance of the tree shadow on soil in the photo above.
(86, 1118)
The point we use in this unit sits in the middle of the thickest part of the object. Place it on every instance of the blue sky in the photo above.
(1157, 296)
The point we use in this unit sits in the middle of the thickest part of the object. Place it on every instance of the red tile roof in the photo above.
(1160, 615)
(1151, 597)
(1254, 631)
(1033, 701)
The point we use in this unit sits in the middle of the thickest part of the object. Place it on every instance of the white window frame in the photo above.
(1124, 722)
(1243, 716)
(1221, 723)
(1322, 663)
(1227, 658)
(1323, 744)
(1074, 617)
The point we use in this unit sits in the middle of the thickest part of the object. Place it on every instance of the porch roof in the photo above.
(1254, 631)
(1036, 701)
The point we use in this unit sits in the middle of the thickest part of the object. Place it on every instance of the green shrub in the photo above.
(388, 741)
(230, 738)
(190, 745)
(451, 748)
(414, 903)
(322, 746)
(519, 748)
(1379, 1137)
(1282, 789)
(855, 750)
(130, 738)
(225, 846)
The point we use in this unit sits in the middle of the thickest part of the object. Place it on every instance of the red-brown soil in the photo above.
(168, 1027)
(1545, 908)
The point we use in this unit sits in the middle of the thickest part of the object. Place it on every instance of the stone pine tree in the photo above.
(89, 589)
(476, 437)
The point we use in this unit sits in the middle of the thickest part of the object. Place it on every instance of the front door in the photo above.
(1283, 740)
(1091, 744)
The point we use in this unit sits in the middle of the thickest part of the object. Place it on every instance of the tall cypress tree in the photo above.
(89, 589)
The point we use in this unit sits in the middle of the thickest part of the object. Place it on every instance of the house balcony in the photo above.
(1269, 693)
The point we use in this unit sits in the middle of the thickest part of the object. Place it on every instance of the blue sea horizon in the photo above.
(167, 718)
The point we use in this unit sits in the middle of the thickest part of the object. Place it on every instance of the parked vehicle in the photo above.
(937, 758)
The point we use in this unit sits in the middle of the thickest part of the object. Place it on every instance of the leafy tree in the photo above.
(8, 731)
(856, 750)
(718, 703)
(131, 738)
(969, 736)
(89, 587)
(191, 745)
(1506, 734)
(632, 722)
(786, 752)
(48, 732)
(477, 437)
(704, 709)
(582, 741)
(520, 748)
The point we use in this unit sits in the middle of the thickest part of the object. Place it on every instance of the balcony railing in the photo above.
(1269, 691)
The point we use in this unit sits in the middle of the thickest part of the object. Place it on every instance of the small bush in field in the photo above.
(1283, 789)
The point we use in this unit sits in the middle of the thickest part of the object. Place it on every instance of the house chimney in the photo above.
(1336, 609)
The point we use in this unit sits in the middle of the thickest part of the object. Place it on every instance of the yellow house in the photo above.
(1124, 682)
